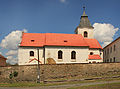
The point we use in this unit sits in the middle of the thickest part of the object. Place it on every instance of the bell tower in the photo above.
(85, 28)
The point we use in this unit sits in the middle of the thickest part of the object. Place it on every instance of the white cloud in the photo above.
(12, 60)
(62, 1)
(0, 52)
(104, 32)
(11, 52)
(11, 42)
(10, 57)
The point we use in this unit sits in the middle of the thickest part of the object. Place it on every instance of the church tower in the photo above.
(85, 28)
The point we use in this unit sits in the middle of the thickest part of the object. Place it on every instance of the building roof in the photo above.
(52, 39)
(2, 57)
(94, 57)
(84, 21)
(55, 39)
(93, 43)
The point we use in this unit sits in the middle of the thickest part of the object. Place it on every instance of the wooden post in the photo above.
(38, 77)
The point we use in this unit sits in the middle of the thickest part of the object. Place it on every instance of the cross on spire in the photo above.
(83, 8)
(84, 11)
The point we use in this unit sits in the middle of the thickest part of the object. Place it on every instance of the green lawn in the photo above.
(100, 86)
(19, 84)
(29, 84)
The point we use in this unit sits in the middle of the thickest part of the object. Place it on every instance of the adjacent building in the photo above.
(112, 51)
(2, 60)
(80, 47)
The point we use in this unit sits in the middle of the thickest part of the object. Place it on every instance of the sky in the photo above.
(55, 16)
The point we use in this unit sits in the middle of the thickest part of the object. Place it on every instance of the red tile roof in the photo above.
(54, 39)
(39, 39)
(93, 43)
(94, 57)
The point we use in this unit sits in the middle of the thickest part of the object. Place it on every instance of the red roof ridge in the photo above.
(54, 33)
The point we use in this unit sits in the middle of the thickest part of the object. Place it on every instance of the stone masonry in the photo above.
(56, 71)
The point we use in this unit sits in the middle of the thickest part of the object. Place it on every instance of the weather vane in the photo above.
(84, 7)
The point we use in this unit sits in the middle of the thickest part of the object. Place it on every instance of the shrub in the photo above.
(14, 74)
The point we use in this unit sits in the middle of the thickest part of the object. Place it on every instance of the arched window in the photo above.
(85, 34)
(73, 55)
(60, 54)
(31, 53)
(91, 53)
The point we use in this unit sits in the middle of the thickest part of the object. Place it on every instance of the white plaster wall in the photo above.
(52, 52)
(90, 32)
(24, 55)
(81, 54)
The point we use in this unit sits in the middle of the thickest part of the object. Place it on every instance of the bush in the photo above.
(14, 74)
(11, 76)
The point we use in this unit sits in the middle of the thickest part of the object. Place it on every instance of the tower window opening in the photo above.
(85, 34)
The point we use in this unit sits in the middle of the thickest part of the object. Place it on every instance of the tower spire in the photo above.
(85, 28)
(84, 11)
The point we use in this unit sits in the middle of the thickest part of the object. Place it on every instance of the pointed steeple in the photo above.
(85, 28)
(84, 11)
(84, 21)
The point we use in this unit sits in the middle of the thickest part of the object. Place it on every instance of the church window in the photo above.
(73, 55)
(60, 53)
(85, 34)
(91, 53)
(31, 53)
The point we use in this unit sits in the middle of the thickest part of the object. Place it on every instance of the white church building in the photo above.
(80, 47)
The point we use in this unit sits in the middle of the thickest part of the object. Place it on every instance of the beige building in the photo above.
(111, 53)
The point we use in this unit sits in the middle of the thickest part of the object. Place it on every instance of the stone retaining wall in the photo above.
(66, 71)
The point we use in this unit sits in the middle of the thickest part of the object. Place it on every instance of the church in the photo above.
(57, 48)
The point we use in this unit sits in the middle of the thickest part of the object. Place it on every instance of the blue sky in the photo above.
(41, 16)
(55, 16)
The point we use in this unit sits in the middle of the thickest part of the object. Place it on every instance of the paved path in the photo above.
(63, 86)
